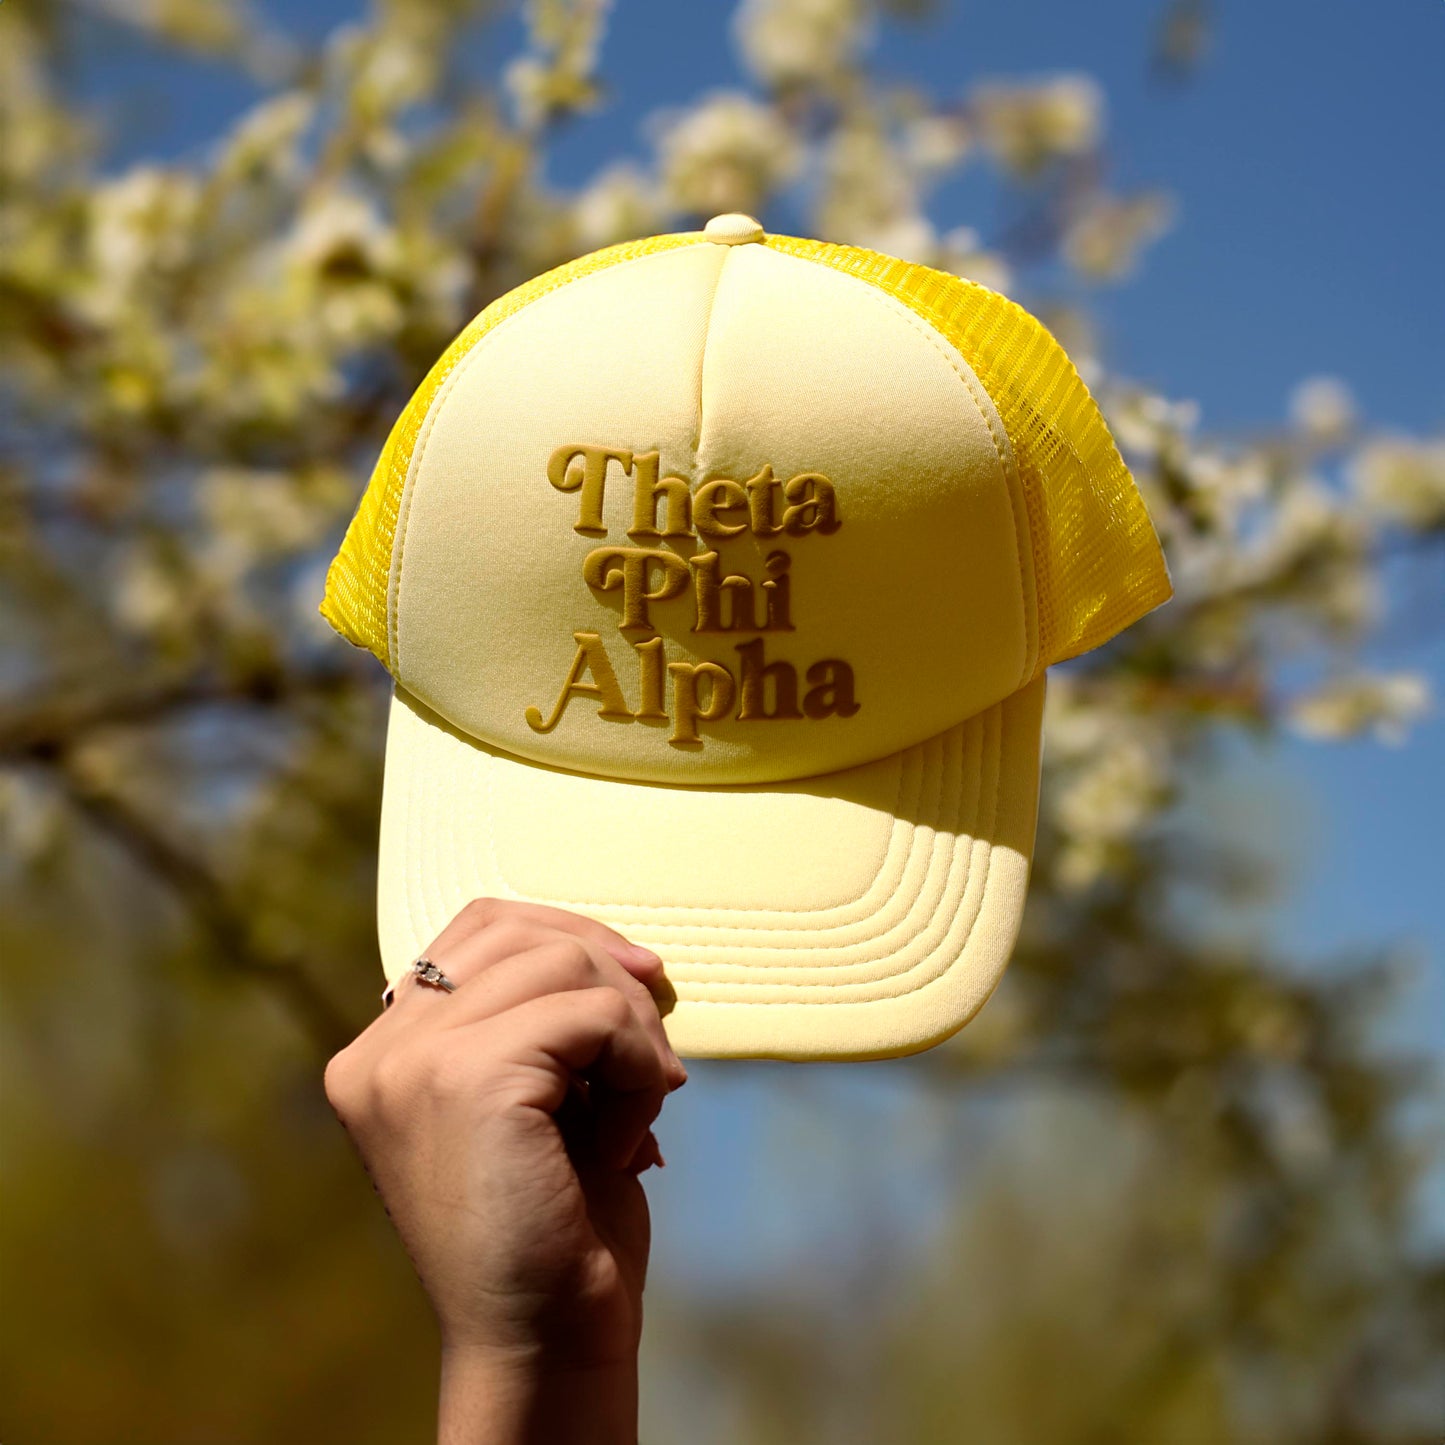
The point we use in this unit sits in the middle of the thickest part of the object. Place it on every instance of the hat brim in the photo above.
(865, 913)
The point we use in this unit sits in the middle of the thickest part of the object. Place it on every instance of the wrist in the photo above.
(492, 1396)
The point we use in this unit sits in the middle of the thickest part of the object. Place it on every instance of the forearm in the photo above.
(519, 1400)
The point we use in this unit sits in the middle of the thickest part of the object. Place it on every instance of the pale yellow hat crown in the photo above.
(717, 574)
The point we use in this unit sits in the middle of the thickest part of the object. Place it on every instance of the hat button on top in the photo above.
(732, 229)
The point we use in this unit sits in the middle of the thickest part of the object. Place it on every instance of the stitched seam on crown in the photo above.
(702, 359)
(990, 416)
(897, 309)
(913, 987)
(435, 410)
(970, 379)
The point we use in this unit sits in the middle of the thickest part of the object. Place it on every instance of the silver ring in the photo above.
(427, 972)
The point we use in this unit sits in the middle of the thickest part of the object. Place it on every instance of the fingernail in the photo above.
(647, 1154)
(632, 956)
(676, 1069)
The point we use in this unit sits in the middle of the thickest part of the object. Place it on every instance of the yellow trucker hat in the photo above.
(717, 574)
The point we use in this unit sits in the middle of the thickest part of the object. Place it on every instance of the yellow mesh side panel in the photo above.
(1097, 562)
(357, 582)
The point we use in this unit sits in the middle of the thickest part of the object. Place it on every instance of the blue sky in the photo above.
(1306, 161)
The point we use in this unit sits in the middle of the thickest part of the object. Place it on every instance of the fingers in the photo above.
(557, 1003)
(593, 1032)
(517, 953)
(488, 913)
(504, 968)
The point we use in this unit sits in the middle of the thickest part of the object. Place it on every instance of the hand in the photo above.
(504, 1126)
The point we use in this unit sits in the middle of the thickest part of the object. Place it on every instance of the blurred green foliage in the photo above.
(1208, 1238)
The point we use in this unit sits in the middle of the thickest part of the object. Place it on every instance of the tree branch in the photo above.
(42, 730)
(211, 908)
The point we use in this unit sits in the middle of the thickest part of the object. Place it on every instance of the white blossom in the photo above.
(908, 235)
(395, 70)
(528, 82)
(558, 75)
(1323, 409)
(1104, 240)
(1311, 517)
(620, 203)
(1110, 769)
(1027, 124)
(729, 153)
(1403, 481)
(787, 43)
(141, 224)
(265, 143)
(1222, 486)
(32, 820)
(962, 252)
(338, 221)
(148, 596)
(269, 511)
(870, 196)
(1149, 424)
(932, 144)
(206, 25)
(1384, 705)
